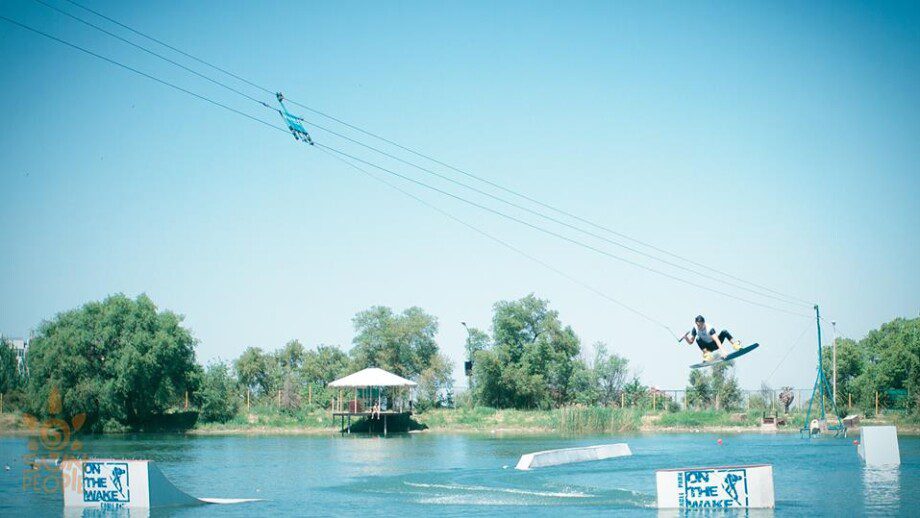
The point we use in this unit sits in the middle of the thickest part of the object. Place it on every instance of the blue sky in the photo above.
(777, 143)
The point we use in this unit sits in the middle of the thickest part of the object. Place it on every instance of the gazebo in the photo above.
(367, 398)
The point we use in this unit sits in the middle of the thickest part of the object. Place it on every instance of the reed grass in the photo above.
(581, 420)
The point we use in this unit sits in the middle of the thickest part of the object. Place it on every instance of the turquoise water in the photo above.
(453, 475)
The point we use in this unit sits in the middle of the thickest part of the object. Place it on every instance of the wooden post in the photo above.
(717, 401)
(849, 400)
(622, 399)
(186, 400)
(248, 391)
(310, 394)
(876, 403)
(279, 398)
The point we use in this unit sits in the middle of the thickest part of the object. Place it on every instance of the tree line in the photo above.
(885, 363)
(124, 363)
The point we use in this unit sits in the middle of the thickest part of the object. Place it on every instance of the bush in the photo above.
(217, 399)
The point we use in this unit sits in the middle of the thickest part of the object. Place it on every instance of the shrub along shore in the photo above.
(266, 420)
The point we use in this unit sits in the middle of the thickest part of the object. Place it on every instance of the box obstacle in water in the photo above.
(878, 446)
(546, 458)
(718, 488)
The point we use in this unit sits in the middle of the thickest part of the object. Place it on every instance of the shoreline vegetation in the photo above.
(122, 365)
(568, 421)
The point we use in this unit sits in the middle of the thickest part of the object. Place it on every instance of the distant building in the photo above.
(21, 348)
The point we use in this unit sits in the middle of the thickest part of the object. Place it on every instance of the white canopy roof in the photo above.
(372, 377)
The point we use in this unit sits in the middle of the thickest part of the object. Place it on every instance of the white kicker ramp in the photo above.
(718, 488)
(108, 484)
(878, 446)
(542, 459)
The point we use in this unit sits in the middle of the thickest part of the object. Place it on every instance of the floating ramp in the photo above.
(716, 488)
(542, 459)
(110, 484)
(878, 446)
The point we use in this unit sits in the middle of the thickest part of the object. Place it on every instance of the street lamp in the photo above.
(468, 364)
(834, 354)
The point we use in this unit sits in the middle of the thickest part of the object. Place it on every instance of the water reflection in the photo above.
(716, 513)
(882, 488)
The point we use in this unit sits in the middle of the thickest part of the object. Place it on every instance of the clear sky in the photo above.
(778, 143)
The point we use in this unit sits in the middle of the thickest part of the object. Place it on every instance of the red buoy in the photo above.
(719, 442)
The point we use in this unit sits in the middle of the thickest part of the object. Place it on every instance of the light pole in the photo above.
(468, 365)
(834, 354)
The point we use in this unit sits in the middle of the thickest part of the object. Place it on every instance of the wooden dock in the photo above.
(383, 414)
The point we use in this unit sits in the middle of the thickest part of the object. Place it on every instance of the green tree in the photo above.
(403, 344)
(254, 370)
(286, 376)
(635, 393)
(850, 365)
(725, 386)
(476, 340)
(532, 362)
(218, 399)
(585, 384)
(612, 371)
(118, 359)
(719, 385)
(887, 358)
(699, 390)
(292, 356)
(434, 383)
(324, 365)
(9, 367)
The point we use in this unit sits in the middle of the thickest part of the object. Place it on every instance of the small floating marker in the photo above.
(855, 442)
(719, 442)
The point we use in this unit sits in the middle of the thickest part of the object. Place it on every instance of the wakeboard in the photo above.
(718, 358)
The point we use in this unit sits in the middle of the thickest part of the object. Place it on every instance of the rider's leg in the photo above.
(708, 348)
(726, 336)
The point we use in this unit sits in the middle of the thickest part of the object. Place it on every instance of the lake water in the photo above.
(454, 475)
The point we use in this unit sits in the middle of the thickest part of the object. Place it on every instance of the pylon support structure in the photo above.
(821, 390)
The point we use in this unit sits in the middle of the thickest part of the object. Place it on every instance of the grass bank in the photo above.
(569, 420)
(267, 420)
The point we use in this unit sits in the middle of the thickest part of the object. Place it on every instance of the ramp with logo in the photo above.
(716, 488)
(109, 484)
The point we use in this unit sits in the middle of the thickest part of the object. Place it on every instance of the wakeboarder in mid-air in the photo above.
(707, 340)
